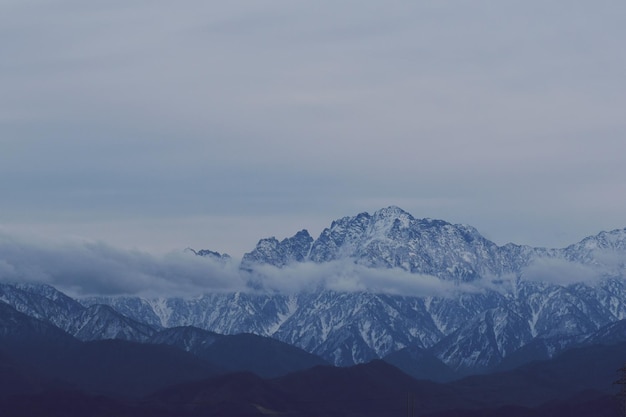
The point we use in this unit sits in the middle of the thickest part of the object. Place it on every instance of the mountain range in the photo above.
(434, 299)
(388, 281)
(45, 371)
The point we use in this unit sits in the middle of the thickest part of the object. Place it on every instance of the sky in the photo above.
(152, 126)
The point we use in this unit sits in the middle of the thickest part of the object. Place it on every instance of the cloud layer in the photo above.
(560, 272)
(346, 276)
(94, 268)
(88, 268)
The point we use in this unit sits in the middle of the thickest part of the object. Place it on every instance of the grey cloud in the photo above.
(84, 268)
(94, 268)
(611, 260)
(560, 272)
(346, 276)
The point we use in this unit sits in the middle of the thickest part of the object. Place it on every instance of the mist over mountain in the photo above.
(95, 268)
(388, 252)
(368, 286)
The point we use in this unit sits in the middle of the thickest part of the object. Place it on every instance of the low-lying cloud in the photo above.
(90, 268)
(83, 268)
(95, 268)
(347, 276)
(559, 271)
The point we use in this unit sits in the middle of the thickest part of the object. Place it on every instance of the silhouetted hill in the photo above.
(585, 404)
(377, 388)
(46, 372)
(70, 403)
(372, 389)
(573, 371)
(420, 364)
(123, 368)
(36, 355)
(264, 356)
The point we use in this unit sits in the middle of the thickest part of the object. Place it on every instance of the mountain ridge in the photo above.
(482, 302)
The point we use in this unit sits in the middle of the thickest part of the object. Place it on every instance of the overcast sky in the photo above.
(158, 125)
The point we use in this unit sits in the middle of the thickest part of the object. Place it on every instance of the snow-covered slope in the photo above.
(392, 238)
(41, 302)
(101, 321)
(467, 332)
(97, 322)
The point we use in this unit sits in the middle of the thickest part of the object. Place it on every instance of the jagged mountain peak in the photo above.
(279, 253)
(614, 239)
(389, 238)
(393, 213)
(382, 219)
(210, 254)
(393, 238)
(302, 234)
(604, 250)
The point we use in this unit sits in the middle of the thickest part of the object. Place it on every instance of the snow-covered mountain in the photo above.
(498, 299)
(95, 322)
(468, 332)
(42, 302)
(392, 238)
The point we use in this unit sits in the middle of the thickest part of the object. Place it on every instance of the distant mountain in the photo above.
(42, 302)
(392, 238)
(188, 338)
(271, 251)
(523, 292)
(48, 372)
(540, 349)
(577, 383)
(421, 364)
(263, 356)
(96, 322)
(38, 351)
(24, 342)
(100, 322)
(73, 403)
(22, 336)
(224, 257)
(488, 301)
(122, 368)
(611, 334)
(468, 332)
(365, 390)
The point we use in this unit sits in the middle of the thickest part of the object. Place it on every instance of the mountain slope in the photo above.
(100, 321)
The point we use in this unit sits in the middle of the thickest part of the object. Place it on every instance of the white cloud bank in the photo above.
(560, 272)
(90, 268)
(94, 268)
(346, 276)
